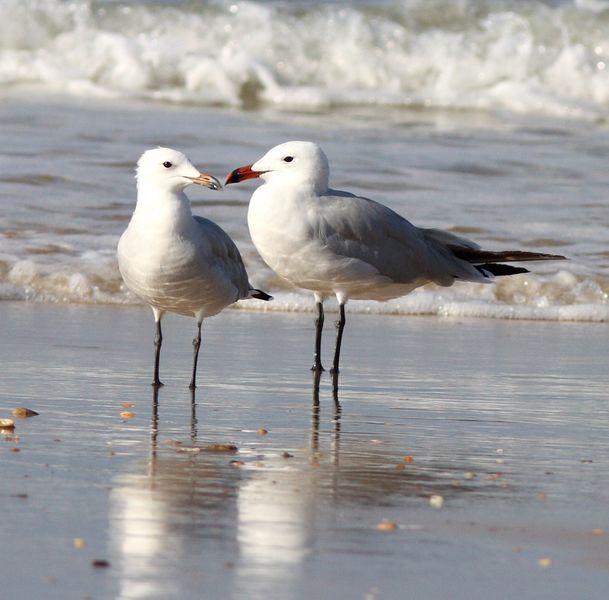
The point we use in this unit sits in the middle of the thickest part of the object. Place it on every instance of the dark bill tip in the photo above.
(241, 174)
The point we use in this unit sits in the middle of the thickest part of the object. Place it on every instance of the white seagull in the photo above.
(334, 242)
(174, 261)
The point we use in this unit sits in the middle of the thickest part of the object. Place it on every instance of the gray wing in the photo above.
(362, 229)
(449, 239)
(224, 255)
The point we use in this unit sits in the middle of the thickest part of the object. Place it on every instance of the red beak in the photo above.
(243, 173)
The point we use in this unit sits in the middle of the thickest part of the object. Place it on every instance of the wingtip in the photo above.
(260, 295)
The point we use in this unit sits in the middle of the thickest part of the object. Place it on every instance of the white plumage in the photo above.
(174, 261)
(334, 242)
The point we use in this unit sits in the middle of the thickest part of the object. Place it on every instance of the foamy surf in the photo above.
(525, 57)
(562, 296)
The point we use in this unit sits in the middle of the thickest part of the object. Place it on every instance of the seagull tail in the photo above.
(485, 257)
(260, 295)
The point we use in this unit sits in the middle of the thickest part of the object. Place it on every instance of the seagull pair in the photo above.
(328, 241)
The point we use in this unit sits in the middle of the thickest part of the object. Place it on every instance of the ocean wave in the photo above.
(560, 296)
(525, 57)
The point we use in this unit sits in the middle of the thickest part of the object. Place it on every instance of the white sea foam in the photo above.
(526, 57)
(561, 296)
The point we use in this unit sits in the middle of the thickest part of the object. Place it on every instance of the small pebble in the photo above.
(7, 424)
(470, 475)
(220, 448)
(499, 451)
(436, 501)
(385, 525)
(287, 455)
(236, 463)
(15, 450)
(79, 543)
(100, 563)
(23, 413)
(262, 431)
(545, 562)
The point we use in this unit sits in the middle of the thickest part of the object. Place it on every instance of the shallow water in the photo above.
(512, 403)
(485, 117)
(68, 191)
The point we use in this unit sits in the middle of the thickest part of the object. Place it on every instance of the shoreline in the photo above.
(406, 306)
(504, 420)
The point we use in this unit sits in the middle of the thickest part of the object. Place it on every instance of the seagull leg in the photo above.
(315, 413)
(158, 341)
(319, 325)
(196, 343)
(340, 325)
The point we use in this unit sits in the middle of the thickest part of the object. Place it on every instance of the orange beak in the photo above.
(207, 181)
(241, 174)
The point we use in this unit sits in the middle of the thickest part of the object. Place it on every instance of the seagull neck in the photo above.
(307, 187)
(319, 188)
(165, 207)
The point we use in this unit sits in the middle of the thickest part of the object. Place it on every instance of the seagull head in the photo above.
(291, 163)
(171, 171)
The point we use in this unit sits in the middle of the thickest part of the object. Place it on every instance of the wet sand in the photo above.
(507, 421)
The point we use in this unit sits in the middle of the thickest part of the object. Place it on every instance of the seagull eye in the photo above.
(288, 159)
(167, 164)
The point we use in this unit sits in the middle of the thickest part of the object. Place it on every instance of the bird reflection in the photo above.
(193, 416)
(316, 381)
(262, 515)
(154, 432)
(315, 412)
(160, 517)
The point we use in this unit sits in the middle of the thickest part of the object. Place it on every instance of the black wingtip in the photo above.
(499, 270)
(260, 295)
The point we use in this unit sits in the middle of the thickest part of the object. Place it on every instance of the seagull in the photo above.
(336, 243)
(172, 260)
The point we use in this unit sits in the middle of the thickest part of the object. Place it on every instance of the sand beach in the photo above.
(501, 419)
